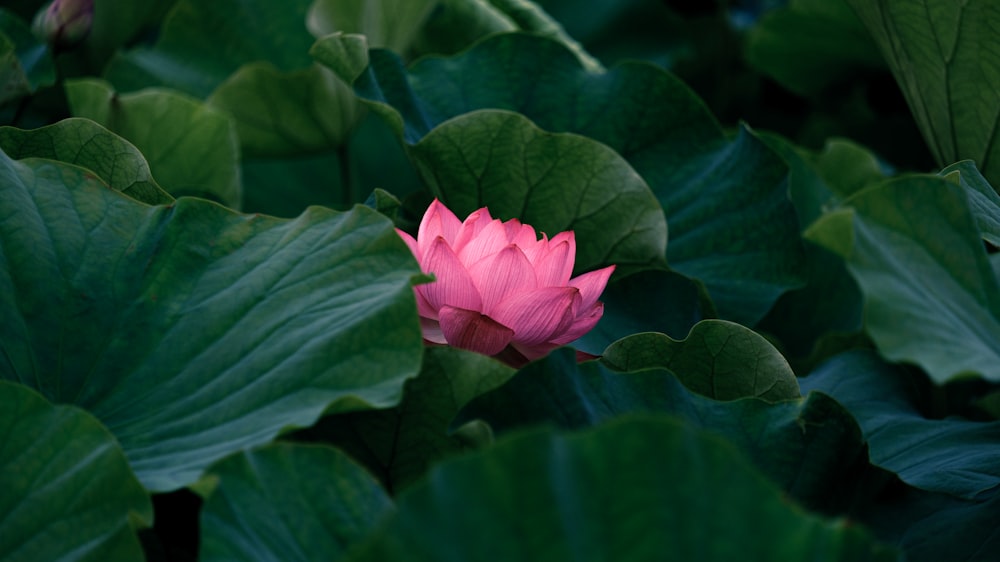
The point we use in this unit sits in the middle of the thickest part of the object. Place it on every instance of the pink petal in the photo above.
(583, 323)
(471, 227)
(555, 268)
(424, 308)
(505, 273)
(472, 330)
(410, 243)
(591, 285)
(437, 221)
(454, 285)
(540, 315)
(490, 240)
(526, 239)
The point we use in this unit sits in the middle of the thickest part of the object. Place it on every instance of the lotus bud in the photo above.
(65, 23)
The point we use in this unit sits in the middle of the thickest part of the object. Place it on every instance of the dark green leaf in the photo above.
(400, 443)
(203, 43)
(953, 456)
(89, 145)
(288, 502)
(192, 148)
(931, 295)
(68, 492)
(501, 160)
(192, 331)
(646, 488)
(718, 359)
(810, 446)
(944, 57)
(810, 44)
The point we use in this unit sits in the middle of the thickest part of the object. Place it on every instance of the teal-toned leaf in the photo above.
(809, 446)
(391, 24)
(203, 43)
(718, 359)
(85, 143)
(944, 57)
(68, 492)
(931, 295)
(808, 45)
(192, 331)
(984, 203)
(646, 488)
(930, 527)
(287, 113)
(454, 25)
(731, 224)
(118, 22)
(288, 502)
(27, 62)
(337, 178)
(647, 301)
(192, 148)
(953, 456)
(501, 160)
(399, 444)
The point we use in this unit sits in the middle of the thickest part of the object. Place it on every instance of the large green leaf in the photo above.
(718, 359)
(954, 456)
(287, 113)
(392, 24)
(288, 502)
(944, 57)
(809, 45)
(731, 223)
(645, 488)
(192, 331)
(501, 160)
(192, 148)
(931, 294)
(202, 43)
(89, 145)
(399, 444)
(68, 492)
(810, 446)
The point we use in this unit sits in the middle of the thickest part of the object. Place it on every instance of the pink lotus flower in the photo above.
(499, 290)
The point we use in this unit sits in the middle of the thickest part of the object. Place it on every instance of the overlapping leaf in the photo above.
(731, 224)
(644, 488)
(811, 447)
(68, 492)
(288, 502)
(87, 144)
(26, 62)
(931, 294)
(192, 149)
(399, 444)
(718, 359)
(192, 331)
(954, 456)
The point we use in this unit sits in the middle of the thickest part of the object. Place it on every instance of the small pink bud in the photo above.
(499, 290)
(65, 23)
